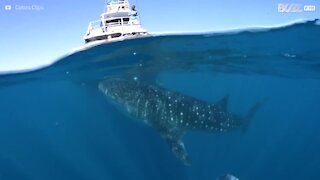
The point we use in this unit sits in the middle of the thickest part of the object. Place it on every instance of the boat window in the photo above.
(113, 22)
(116, 35)
(125, 20)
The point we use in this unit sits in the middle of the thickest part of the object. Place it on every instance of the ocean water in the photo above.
(56, 124)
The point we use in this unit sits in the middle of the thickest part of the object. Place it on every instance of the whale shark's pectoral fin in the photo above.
(174, 139)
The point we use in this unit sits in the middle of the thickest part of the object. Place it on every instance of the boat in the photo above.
(118, 21)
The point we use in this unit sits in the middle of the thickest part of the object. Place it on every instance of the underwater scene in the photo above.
(203, 106)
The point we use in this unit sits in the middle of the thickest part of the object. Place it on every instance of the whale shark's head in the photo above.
(120, 90)
(113, 88)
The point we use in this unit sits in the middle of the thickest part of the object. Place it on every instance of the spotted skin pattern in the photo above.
(171, 113)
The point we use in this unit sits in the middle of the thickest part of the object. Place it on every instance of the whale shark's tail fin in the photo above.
(252, 112)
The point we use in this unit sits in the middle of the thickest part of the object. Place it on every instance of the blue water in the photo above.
(55, 124)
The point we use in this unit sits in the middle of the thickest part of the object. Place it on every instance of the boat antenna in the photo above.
(105, 6)
(139, 14)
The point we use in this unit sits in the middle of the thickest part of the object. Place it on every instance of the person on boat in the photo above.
(133, 15)
(133, 10)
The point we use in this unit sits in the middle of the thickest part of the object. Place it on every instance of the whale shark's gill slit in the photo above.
(145, 109)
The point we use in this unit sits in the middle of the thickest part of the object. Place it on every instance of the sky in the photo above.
(31, 38)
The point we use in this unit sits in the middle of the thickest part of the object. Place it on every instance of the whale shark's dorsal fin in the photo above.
(223, 102)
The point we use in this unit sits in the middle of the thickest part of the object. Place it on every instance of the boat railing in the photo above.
(98, 24)
(115, 2)
(113, 24)
(95, 24)
(122, 23)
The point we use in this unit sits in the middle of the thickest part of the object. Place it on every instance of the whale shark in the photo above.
(172, 113)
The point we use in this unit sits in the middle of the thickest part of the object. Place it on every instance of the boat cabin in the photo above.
(119, 19)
